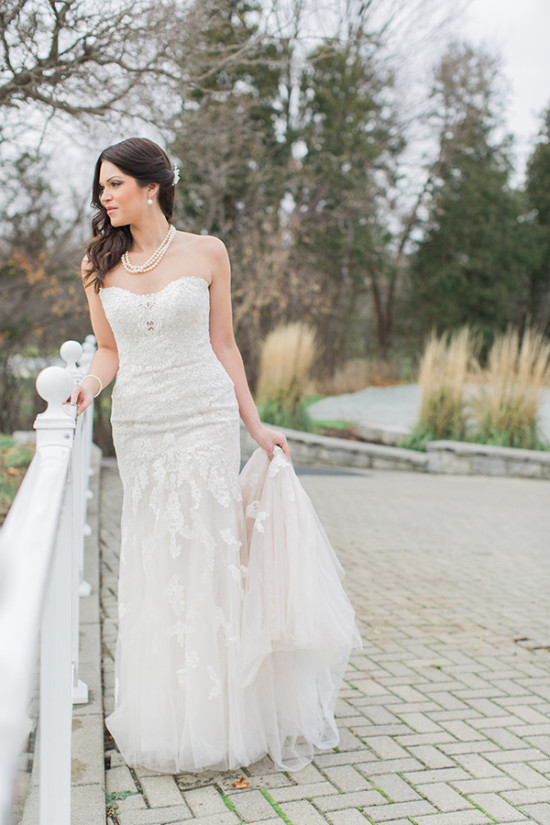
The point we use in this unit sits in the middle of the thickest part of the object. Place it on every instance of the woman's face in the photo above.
(120, 194)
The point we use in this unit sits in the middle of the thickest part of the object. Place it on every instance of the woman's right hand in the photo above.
(81, 396)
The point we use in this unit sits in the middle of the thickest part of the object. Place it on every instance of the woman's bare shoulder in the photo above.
(86, 270)
(209, 252)
(203, 243)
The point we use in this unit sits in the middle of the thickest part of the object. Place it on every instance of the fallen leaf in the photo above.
(241, 782)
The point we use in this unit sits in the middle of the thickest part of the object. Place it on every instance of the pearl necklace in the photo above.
(155, 258)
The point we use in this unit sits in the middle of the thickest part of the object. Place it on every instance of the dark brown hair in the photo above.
(145, 161)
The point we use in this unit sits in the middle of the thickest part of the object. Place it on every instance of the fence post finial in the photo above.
(71, 352)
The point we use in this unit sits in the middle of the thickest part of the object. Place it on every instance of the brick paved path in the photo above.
(445, 716)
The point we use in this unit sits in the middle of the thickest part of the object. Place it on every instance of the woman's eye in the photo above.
(114, 183)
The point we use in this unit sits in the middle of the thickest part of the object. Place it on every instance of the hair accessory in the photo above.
(176, 175)
(91, 375)
(155, 258)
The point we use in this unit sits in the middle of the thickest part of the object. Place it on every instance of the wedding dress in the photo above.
(234, 629)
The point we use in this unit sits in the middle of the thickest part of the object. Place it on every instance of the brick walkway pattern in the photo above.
(445, 715)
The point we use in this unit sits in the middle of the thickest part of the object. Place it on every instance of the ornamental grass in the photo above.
(444, 371)
(285, 364)
(507, 405)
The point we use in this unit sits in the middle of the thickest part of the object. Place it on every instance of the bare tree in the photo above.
(76, 56)
(83, 57)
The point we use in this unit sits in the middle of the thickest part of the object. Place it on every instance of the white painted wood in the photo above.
(56, 679)
(27, 542)
(40, 562)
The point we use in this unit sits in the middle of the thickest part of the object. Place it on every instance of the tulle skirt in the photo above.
(234, 628)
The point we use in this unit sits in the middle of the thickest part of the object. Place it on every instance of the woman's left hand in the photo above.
(269, 439)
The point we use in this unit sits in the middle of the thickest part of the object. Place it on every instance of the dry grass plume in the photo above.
(507, 405)
(285, 365)
(444, 371)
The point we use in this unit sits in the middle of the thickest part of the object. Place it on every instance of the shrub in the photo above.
(285, 364)
(507, 404)
(444, 369)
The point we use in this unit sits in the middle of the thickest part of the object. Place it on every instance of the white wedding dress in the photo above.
(234, 628)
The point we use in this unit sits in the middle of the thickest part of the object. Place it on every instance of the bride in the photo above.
(234, 630)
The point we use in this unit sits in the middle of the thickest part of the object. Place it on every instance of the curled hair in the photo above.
(145, 161)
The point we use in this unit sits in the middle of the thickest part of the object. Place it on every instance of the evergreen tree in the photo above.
(472, 265)
(235, 161)
(538, 193)
(339, 236)
(226, 129)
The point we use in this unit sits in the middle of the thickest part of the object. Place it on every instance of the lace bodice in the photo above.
(154, 328)
(167, 366)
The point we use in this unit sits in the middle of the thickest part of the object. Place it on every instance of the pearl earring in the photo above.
(150, 201)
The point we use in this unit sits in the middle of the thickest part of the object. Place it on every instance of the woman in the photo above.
(234, 630)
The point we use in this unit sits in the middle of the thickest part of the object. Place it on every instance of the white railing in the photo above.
(41, 577)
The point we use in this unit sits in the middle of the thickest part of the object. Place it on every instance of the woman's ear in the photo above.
(152, 190)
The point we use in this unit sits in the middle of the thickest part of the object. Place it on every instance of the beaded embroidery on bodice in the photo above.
(175, 322)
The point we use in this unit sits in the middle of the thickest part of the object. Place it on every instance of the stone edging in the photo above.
(446, 457)
(460, 457)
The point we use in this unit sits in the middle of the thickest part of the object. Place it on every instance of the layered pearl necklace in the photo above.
(155, 258)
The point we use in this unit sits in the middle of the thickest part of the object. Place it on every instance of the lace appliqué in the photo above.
(176, 591)
(191, 663)
(259, 516)
(179, 630)
(216, 688)
(229, 538)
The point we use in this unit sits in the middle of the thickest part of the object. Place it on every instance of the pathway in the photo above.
(445, 715)
(395, 406)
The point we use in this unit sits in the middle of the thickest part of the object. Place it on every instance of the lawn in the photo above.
(14, 460)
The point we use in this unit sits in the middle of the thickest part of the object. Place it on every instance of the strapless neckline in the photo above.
(158, 291)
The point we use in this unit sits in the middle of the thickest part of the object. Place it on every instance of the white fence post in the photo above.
(88, 350)
(56, 677)
(70, 352)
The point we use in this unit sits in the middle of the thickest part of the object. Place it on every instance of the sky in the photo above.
(518, 30)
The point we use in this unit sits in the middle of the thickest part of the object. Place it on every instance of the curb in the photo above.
(327, 451)
(464, 458)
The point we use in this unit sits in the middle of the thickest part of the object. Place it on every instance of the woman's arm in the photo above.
(105, 361)
(225, 347)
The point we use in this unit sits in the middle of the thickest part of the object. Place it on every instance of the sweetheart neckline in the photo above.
(158, 291)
